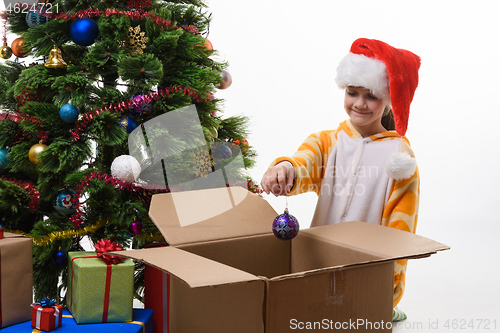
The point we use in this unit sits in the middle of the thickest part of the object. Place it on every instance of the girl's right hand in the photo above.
(278, 179)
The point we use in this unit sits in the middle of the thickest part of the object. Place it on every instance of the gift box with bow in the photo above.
(100, 286)
(46, 315)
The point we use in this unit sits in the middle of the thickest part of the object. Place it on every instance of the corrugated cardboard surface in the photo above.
(382, 242)
(16, 266)
(194, 270)
(262, 255)
(205, 215)
(338, 296)
(226, 308)
(231, 274)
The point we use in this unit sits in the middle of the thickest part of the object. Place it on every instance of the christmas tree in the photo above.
(80, 123)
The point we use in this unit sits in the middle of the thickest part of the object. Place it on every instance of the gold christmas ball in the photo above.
(17, 48)
(34, 151)
(5, 51)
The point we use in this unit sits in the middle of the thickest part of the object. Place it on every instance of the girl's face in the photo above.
(365, 110)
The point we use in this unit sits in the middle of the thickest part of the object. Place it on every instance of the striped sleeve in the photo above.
(401, 212)
(310, 161)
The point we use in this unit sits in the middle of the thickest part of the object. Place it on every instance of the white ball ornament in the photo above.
(126, 168)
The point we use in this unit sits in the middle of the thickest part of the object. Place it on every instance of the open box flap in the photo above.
(376, 243)
(383, 242)
(194, 270)
(213, 214)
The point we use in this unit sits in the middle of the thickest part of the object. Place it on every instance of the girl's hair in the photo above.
(388, 119)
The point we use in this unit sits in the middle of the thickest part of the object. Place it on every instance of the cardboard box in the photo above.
(16, 279)
(229, 273)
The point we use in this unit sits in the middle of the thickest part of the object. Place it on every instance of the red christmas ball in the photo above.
(17, 48)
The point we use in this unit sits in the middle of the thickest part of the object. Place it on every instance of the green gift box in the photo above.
(99, 292)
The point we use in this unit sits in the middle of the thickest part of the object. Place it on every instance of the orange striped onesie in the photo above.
(348, 174)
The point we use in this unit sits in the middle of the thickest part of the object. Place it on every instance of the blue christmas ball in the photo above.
(221, 152)
(285, 226)
(84, 32)
(225, 152)
(60, 257)
(36, 17)
(63, 202)
(128, 123)
(69, 113)
(4, 159)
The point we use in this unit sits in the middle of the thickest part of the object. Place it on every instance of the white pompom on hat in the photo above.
(390, 74)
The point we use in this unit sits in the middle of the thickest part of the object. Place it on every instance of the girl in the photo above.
(362, 171)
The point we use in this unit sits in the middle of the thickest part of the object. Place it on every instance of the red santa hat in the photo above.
(389, 73)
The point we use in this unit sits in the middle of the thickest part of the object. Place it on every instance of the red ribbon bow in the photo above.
(107, 245)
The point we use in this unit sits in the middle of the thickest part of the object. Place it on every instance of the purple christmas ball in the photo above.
(285, 226)
(140, 106)
(135, 227)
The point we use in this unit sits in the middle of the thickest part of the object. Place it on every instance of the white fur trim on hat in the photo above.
(357, 70)
(400, 166)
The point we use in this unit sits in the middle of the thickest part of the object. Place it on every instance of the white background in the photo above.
(283, 56)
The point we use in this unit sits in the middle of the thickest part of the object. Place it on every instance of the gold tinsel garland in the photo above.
(66, 234)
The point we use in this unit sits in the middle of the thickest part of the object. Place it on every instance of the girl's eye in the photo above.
(372, 97)
(351, 93)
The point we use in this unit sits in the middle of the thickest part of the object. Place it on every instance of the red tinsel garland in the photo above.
(28, 186)
(139, 4)
(3, 15)
(120, 107)
(76, 218)
(28, 94)
(133, 15)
